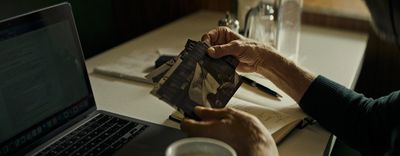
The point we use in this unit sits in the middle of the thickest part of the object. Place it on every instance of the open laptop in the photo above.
(46, 102)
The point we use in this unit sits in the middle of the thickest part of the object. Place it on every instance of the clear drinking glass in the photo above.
(261, 23)
(277, 23)
(289, 27)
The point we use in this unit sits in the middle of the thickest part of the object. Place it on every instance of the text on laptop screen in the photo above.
(42, 81)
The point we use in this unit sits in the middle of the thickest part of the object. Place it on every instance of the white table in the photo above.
(335, 54)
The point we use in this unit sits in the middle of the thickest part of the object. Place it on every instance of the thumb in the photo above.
(210, 113)
(231, 48)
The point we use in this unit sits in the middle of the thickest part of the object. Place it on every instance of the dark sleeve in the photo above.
(365, 124)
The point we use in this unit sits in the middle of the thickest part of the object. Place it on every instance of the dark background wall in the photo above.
(94, 20)
(103, 24)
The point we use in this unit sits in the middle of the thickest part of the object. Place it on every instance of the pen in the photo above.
(259, 86)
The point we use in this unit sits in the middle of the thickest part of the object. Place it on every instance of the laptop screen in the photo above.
(43, 81)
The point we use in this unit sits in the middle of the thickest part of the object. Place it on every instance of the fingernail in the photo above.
(187, 121)
(199, 107)
(211, 50)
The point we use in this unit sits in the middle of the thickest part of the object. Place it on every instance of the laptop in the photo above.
(46, 101)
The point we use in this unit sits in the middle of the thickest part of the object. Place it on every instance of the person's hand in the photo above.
(244, 132)
(224, 41)
(221, 35)
(261, 58)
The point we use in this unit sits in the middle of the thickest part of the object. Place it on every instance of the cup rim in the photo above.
(180, 142)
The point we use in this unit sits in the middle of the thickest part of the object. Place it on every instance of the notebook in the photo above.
(47, 105)
(255, 101)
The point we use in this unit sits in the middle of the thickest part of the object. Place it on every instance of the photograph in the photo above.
(196, 79)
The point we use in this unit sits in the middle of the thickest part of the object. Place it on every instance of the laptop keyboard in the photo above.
(102, 135)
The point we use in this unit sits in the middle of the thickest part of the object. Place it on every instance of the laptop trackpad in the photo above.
(152, 142)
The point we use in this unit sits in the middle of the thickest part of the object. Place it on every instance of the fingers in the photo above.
(215, 36)
(207, 38)
(215, 122)
(220, 35)
(231, 48)
(197, 128)
(246, 68)
(210, 114)
(211, 119)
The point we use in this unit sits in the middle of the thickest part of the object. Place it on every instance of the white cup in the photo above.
(199, 147)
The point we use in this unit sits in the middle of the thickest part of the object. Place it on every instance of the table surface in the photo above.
(335, 54)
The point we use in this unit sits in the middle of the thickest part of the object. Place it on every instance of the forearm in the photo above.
(284, 73)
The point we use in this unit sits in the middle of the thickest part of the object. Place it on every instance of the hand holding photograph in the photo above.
(194, 78)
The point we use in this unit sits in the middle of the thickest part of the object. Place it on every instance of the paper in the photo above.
(131, 67)
(285, 104)
(271, 119)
